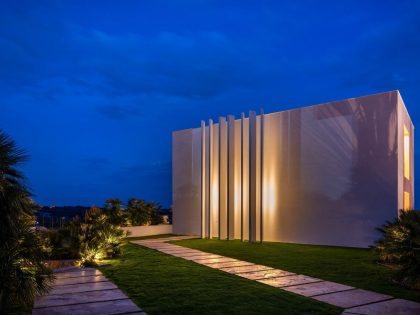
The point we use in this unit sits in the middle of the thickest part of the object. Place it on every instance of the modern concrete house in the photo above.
(326, 174)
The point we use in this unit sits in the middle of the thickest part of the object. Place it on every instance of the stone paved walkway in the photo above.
(353, 300)
(83, 292)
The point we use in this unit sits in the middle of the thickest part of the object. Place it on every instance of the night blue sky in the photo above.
(93, 89)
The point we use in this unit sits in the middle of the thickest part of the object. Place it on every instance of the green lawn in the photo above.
(352, 266)
(163, 284)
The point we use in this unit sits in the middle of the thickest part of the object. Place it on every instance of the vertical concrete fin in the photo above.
(222, 177)
(242, 175)
(261, 175)
(203, 178)
(252, 176)
(209, 181)
(231, 178)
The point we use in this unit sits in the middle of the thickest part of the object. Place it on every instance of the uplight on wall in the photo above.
(406, 153)
(407, 205)
(270, 194)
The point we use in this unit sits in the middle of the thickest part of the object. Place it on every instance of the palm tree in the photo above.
(138, 211)
(22, 272)
(141, 212)
(113, 208)
(400, 245)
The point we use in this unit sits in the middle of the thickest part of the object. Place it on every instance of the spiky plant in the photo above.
(141, 212)
(100, 237)
(138, 211)
(400, 245)
(115, 212)
(22, 272)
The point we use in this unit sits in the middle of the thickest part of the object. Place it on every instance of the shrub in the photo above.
(100, 237)
(141, 212)
(400, 244)
(88, 240)
(116, 214)
(155, 217)
(65, 242)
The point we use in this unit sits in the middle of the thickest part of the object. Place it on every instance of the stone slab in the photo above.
(83, 287)
(352, 298)
(198, 256)
(103, 308)
(288, 281)
(175, 248)
(182, 237)
(213, 260)
(168, 239)
(317, 288)
(197, 253)
(178, 253)
(192, 256)
(186, 252)
(170, 251)
(167, 246)
(266, 274)
(228, 264)
(163, 246)
(77, 298)
(184, 255)
(75, 280)
(391, 307)
(77, 273)
(160, 240)
(244, 269)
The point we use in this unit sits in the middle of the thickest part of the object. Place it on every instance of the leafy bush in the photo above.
(64, 242)
(23, 274)
(141, 212)
(116, 214)
(101, 237)
(400, 245)
(88, 240)
(98, 234)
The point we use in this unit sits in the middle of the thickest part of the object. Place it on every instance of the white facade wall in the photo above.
(331, 174)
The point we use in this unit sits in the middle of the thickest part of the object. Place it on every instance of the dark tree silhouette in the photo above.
(22, 272)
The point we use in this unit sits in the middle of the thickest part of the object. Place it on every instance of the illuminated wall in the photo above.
(326, 174)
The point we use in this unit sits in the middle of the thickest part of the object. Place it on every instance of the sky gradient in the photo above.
(93, 89)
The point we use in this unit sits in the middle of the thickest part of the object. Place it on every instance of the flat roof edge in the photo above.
(319, 104)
